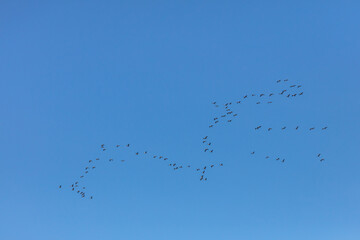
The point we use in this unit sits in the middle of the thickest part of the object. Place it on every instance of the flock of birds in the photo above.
(226, 117)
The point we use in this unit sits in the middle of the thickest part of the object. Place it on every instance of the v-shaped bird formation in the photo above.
(228, 115)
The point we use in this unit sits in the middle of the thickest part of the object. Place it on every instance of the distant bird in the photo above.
(211, 151)
(298, 86)
(252, 152)
(238, 102)
(215, 118)
(223, 115)
(104, 149)
(91, 197)
(145, 152)
(324, 128)
(214, 103)
(283, 128)
(294, 95)
(209, 144)
(60, 186)
(288, 95)
(322, 159)
(117, 146)
(283, 160)
(267, 157)
(206, 149)
(301, 93)
(90, 160)
(211, 126)
(258, 127)
(102, 145)
(137, 153)
(93, 167)
(312, 128)
(122, 160)
(165, 159)
(286, 80)
(81, 176)
(221, 164)
(211, 166)
(245, 96)
(205, 137)
(128, 145)
(297, 127)
(271, 94)
(229, 120)
(319, 154)
(293, 86)
(235, 115)
(216, 121)
(262, 95)
(269, 102)
(278, 81)
(258, 103)
(204, 141)
(97, 159)
(269, 129)
(277, 158)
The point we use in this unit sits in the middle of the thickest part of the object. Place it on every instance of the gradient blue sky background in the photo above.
(77, 74)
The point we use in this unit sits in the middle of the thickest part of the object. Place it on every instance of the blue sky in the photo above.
(76, 74)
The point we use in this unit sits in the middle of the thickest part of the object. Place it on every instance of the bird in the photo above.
(60, 186)
(258, 103)
(209, 144)
(269, 129)
(204, 141)
(252, 152)
(235, 115)
(286, 80)
(277, 158)
(97, 159)
(122, 160)
(211, 166)
(102, 145)
(269, 102)
(283, 128)
(267, 157)
(117, 146)
(324, 128)
(214, 103)
(297, 127)
(262, 95)
(271, 94)
(312, 128)
(128, 145)
(90, 160)
(145, 152)
(91, 197)
(221, 164)
(293, 86)
(283, 160)
(288, 95)
(211, 151)
(206, 149)
(211, 126)
(322, 159)
(137, 153)
(205, 137)
(319, 154)
(93, 167)
(238, 102)
(229, 120)
(301, 93)
(278, 81)
(245, 96)
(216, 121)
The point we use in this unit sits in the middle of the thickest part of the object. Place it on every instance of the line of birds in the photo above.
(283, 128)
(208, 145)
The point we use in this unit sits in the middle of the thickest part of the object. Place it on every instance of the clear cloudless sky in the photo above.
(76, 74)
